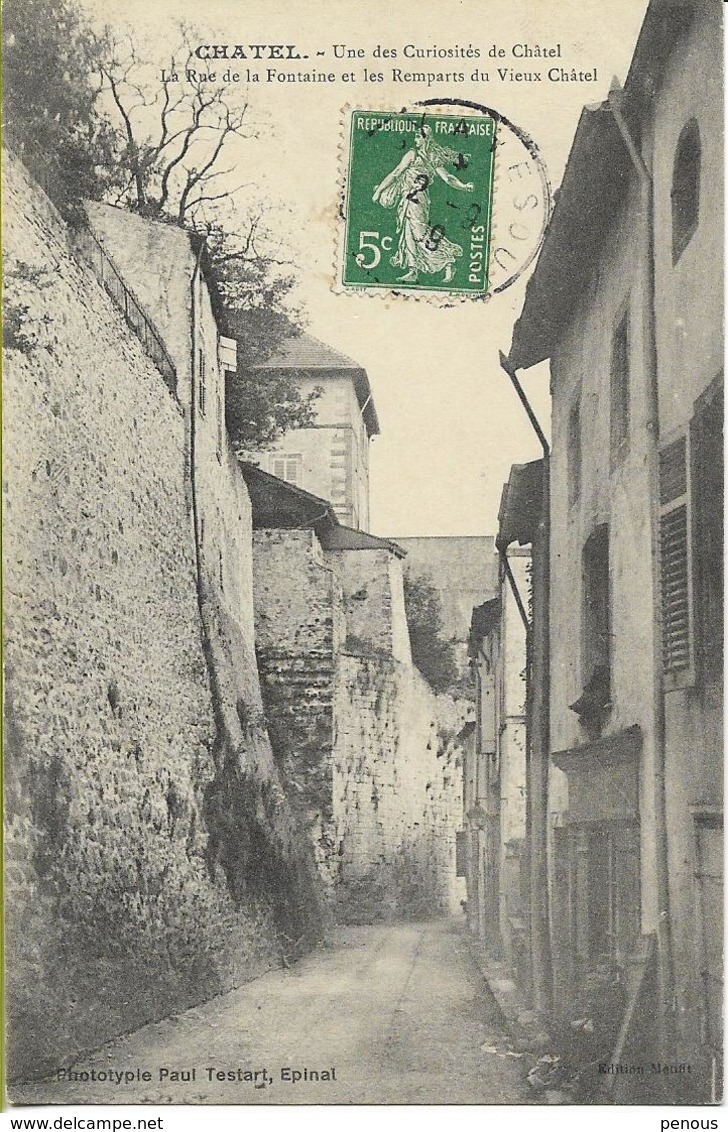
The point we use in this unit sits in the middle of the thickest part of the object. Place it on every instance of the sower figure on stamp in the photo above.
(420, 247)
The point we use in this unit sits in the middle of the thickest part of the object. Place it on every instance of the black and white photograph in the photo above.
(363, 556)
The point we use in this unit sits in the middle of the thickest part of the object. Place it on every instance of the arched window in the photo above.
(685, 189)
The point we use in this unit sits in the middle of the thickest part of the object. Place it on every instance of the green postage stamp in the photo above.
(419, 202)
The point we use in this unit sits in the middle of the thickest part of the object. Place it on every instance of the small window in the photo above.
(202, 382)
(619, 390)
(685, 189)
(597, 617)
(595, 702)
(574, 453)
(288, 467)
(596, 607)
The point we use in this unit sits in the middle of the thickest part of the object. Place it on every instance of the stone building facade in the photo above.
(330, 459)
(635, 345)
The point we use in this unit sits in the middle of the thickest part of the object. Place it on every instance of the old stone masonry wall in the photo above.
(397, 792)
(119, 850)
(298, 632)
(370, 755)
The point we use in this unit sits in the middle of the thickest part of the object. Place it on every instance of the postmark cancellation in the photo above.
(446, 199)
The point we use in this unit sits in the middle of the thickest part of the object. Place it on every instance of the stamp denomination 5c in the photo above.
(419, 202)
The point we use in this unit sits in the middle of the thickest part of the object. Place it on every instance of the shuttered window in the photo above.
(288, 467)
(619, 393)
(673, 471)
(675, 558)
(706, 471)
(675, 590)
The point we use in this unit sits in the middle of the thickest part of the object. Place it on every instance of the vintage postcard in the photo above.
(363, 552)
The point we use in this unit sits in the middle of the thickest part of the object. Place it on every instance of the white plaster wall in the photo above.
(620, 498)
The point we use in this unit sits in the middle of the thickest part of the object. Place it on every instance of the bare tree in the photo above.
(173, 134)
(176, 136)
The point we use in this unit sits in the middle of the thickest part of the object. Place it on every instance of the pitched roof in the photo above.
(347, 538)
(593, 188)
(306, 353)
(278, 505)
(666, 22)
(303, 351)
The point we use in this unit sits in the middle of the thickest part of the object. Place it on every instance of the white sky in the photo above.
(451, 424)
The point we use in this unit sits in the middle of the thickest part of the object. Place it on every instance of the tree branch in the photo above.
(189, 134)
(131, 140)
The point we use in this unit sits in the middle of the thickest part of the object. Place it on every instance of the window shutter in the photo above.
(673, 471)
(676, 594)
(288, 467)
(706, 472)
(292, 470)
(675, 590)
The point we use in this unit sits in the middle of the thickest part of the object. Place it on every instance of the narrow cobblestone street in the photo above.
(398, 1012)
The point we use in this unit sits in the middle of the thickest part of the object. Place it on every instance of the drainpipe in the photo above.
(510, 370)
(538, 729)
(664, 927)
